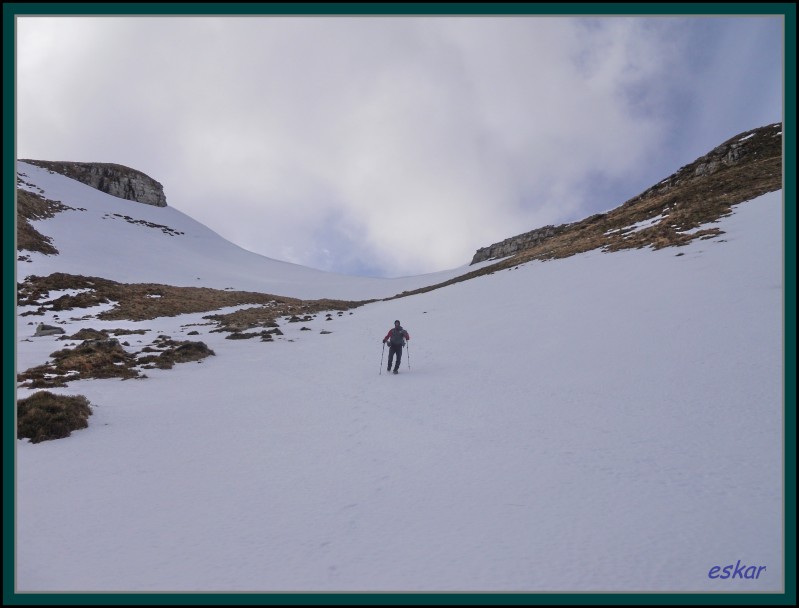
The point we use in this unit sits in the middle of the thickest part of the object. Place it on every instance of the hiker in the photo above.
(395, 338)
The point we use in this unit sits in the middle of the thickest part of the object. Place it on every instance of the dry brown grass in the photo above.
(144, 301)
(32, 206)
(44, 416)
(100, 356)
(174, 351)
(90, 359)
(104, 357)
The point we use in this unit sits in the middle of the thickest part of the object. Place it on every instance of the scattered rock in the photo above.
(48, 330)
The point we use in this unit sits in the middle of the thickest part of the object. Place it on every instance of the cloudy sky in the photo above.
(392, 145)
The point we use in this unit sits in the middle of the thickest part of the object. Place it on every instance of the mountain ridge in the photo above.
(739, 169)
(670, 213)
(746, 166)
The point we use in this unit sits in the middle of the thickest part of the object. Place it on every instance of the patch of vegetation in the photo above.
(174, 352)
(90, 359)
(237, 335)
(45, 416)
(145, 301)
(32, 206)
(87, 333)
(101, 357)
(266, 315)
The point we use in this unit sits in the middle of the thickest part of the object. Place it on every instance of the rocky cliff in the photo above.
(116, 180)
(516, 243)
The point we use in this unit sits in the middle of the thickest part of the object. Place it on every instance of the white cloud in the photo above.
(426, 137)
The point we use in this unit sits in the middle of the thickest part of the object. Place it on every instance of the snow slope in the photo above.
(167, 246)
(602, 423)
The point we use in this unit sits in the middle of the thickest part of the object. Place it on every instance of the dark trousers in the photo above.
(394, 349)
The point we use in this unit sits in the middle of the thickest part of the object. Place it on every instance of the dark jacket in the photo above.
(396, 336)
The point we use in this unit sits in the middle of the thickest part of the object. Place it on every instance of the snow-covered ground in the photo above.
(602, 423)
(164, 245)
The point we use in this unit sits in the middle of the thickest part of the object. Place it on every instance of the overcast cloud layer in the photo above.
(396, 145)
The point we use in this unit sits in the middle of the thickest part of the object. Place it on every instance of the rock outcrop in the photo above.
(113, 179)
(516, 243)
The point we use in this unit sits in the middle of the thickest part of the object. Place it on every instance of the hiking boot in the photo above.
(396, 371)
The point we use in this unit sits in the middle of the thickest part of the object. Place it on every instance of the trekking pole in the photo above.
(408, 346)
(381, 359)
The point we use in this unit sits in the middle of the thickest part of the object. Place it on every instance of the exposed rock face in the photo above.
(516, 243)
(743, 167)
(116, 180)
